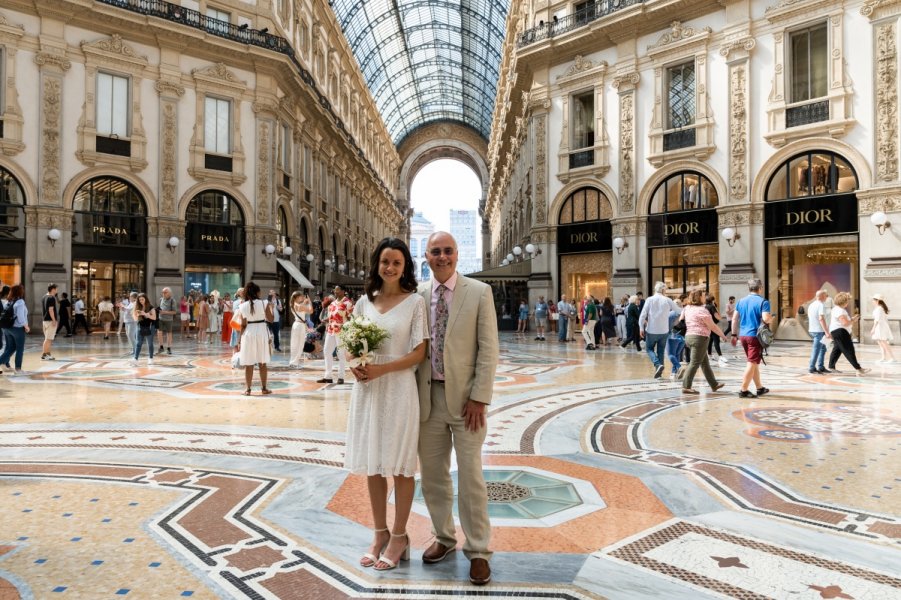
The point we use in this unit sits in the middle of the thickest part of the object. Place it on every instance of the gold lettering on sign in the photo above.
(681, 228)
(583, 238)
(214, 238)
(804, 217)
(110, 230)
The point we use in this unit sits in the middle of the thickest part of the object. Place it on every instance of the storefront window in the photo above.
(10, 271)
(12, 212)
(584, 244)
(95, 280)
(687, 268)
(810, 223)
(684, 191)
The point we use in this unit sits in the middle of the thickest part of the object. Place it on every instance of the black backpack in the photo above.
(8, 317)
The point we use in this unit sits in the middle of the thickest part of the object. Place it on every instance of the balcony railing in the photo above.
(583, 158)
(592, 12)
(244, 35)
(681, 138)
(807, 114)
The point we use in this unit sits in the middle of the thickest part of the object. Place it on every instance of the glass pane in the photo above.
(799, 174)
(10, 271)
(691, 191)
(120, 107)
(583, 120)
(209, 124)
(822, 174)
(819, 75)
(846, 180)
(579, 207)
(709, 197)
(658, 201)
(592, 208)
(223, 121)
(777, 189)
(681, 95)
(674, 193)
(800, 66)
(566, 211)
(104, 103)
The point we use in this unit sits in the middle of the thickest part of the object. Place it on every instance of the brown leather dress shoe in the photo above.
(436, 553)
(479, 571)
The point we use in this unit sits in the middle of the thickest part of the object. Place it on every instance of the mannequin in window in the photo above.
(819, 179)
(802, 172)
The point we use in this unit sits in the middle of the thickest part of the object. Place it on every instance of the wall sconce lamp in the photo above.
(505, 262)
(310, 257)
(172, 244)
(287, 251)
(533, 250)
(880, 220)
(517, 251)
(342, 267)
(269, 250)
(510, 258)
(53, 235)
(620, 244)
(731, 236)
(327, 263)
(362, 273)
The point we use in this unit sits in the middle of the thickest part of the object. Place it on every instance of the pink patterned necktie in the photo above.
(440, 330)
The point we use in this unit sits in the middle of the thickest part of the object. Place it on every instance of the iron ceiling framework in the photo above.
(427, 60)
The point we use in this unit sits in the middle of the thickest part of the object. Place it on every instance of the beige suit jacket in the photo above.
(470, 348)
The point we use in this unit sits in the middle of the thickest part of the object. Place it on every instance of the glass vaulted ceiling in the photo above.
(427, 60)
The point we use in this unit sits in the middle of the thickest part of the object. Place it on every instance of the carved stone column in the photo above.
(53, 66)
(886, 102)
(737, 52)
(625, 84)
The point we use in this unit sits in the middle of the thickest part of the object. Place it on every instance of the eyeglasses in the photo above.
(446, 251)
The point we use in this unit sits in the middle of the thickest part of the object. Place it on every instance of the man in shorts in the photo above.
(166, 320)
(750, 312)
(50, 310)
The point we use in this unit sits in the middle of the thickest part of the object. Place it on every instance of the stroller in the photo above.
(313, 344)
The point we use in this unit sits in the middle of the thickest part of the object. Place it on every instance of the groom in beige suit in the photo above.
(456, 381)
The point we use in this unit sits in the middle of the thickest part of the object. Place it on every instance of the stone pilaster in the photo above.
(170, 92)
(626, 86)
(53, 67)
(886, 94)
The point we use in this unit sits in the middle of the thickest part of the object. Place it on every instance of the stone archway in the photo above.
(434, 142)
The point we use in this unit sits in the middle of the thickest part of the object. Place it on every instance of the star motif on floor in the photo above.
(830, 591)
(731, 561)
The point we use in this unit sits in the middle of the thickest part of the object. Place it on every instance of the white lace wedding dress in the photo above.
(383, 424)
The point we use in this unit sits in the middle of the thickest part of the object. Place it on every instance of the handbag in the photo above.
(237, 321)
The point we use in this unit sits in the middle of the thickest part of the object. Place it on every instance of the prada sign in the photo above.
(682, 228)
(594, 236)
(207, 237)
(99, 229)
(807, 217)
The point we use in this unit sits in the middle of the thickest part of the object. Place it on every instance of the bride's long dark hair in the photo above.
(407, 279)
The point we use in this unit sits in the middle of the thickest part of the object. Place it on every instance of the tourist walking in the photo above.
(338, 311)
(14, 322)
(714, 343)
(552, 316)
(589, 319)
(227, 312)
(619, 311)
(301, 307)
(607, 321)
(236, 306)
(699, 326)
(653, 325)
(166, 311)
(50, 312)
(78, 311)
(383, 421)
(840, 328)
(675, 344)
(106, 314)
(881, 332)
(541, 315)
(730, 312)
(819, 331)
(253, 347)
(131, 325)
(523, 316)
(145, 316)
(120, 305)
(202, 310)
(213, 310)
(750, 313)
(184, 316)
(633, 313)
(65, 314)
(566, 311)
(275, 327)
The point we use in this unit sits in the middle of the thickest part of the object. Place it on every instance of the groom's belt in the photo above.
(438, 381)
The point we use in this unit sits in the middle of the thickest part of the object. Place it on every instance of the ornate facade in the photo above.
(259, 104)
(745, 138)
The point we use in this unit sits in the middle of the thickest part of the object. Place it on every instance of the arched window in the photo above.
(109, 211)
(817, 173)
(109, 195)
(686, 190)
(215, 224)
(304, 242)
(12, 211)
(585, 204)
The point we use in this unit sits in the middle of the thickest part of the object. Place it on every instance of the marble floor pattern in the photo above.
(162, 481)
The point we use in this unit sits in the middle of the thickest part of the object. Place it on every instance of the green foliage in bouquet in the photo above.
(361, 337)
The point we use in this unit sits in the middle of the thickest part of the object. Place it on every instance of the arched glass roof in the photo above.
(427, 60)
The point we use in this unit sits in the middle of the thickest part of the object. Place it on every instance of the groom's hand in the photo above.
(474, 415)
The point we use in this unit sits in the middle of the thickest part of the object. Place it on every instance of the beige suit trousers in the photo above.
(438, 435)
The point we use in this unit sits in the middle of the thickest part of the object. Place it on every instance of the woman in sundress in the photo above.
(254, 344)
(383, 423)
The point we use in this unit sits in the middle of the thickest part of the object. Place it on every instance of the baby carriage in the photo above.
(313, 344)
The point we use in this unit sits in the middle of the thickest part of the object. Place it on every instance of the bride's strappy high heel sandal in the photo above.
(368, 559)
(405, 555)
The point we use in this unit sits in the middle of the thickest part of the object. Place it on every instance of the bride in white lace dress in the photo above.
(383, 424)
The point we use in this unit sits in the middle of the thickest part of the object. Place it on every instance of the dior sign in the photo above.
(682, 228)
(806, 217)
(593, 236)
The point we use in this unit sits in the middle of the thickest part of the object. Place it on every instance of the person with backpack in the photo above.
(751, 312)
(14, 323)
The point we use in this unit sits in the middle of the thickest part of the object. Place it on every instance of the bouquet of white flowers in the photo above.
(361, 338)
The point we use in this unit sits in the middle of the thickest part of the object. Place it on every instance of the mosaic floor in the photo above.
(162, 481)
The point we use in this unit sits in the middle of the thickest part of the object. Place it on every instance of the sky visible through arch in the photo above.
(443, 185)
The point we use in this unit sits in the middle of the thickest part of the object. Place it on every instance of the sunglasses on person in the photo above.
(446, 251)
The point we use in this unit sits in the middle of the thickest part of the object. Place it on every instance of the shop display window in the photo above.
(686, 268)
(684, 191)
(812, 174)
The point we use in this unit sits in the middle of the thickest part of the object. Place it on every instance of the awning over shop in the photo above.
(518, 271)
(342, 279)
(294, 272)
